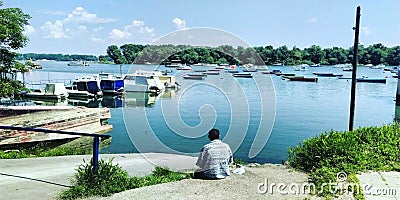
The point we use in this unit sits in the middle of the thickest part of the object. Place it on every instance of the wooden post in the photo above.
(354, 74)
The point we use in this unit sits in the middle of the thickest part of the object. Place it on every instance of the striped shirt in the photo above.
(214, 159)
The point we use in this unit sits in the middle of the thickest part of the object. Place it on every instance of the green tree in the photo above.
(393, 57)
(115, 54)
(12, 22)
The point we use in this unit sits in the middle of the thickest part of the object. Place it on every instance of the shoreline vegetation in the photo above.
(160, 54)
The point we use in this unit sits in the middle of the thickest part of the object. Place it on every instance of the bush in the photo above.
(112, 179)
(369, 148)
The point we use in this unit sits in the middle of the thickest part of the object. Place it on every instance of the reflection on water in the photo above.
(130, 99)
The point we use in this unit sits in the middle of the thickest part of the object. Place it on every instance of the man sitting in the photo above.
(214, 158)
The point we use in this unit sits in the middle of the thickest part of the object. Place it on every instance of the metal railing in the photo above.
(96, 139)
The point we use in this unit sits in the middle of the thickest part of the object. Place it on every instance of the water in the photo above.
(303, 109)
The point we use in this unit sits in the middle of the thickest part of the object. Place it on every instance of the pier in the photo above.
(66, 118)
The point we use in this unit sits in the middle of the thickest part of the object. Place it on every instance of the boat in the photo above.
(302, 67)
(277, 64)
(395, 69)
(184, 67)
(193, 77)
(144, 81)
(302, 78)
(77, 63)
(315, 65)
(200, 70)
(262, 68)
(52, 91)
(211, 72)
(347, 69)
(371, 80)
(369, 65)
(232, 71)
(275, 71)
(110, 84)
(242, 75)
(249, 68)
(285, 74)
(327, 74)
(380, 66)
(196, 74)
(174, 63)
(84, 88)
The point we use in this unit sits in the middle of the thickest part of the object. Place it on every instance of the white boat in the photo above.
(144, 81)
(184, 67)
(77, 63)
(302, 67)
(52, 91)
(315, 65)
(380, 66)
(84, 88)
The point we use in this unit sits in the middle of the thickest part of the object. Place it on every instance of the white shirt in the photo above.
(214, 159)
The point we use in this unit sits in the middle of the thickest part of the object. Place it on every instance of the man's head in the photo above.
(213, 134)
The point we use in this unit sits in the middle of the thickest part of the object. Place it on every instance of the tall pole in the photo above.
(354, 74)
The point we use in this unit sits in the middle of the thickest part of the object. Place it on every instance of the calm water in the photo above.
(303, 109)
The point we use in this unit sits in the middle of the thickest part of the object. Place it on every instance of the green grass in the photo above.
(112, 179)
(80, 146)
(368, 148)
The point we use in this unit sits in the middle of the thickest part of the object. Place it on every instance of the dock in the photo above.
(66, 118)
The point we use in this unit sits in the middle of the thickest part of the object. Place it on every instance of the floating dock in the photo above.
(66, 118)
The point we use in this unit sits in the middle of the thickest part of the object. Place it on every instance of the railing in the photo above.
(96, 139)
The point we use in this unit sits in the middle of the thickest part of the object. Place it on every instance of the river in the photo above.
(177, 120)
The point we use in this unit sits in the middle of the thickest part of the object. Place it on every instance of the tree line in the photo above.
(135, 53)
(56, 57)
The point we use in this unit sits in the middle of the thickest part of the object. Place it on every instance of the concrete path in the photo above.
(380, 185)
(44, 178)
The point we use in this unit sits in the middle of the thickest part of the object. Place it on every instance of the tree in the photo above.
(115, 54)
(12, 23)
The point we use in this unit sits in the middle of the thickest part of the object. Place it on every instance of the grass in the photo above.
(368, 148)
(112, 179)
(80, 146)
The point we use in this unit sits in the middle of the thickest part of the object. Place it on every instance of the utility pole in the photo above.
(354, 74)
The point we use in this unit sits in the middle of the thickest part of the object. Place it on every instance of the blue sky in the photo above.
(89, 26)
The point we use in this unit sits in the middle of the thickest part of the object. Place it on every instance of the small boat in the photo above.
(371, 80)
(315, 65)
(215, 70)
(211, 73)
(275, 71)
(266, 72)
(277, 64)
(52, 91)
(110, 84)
(302, 67)
(193, 77)
(242, 75)
(327, 74)
(142, 83)
(347, 69)
(232, 71)
(196, 74)
(380, 66)
(369, 65)
(285, 74)
(174, 63)
(77, 63)
(200, 70)
(184, 67)
(84, 88)
(302, 78)
(249, 68)
(395, 69)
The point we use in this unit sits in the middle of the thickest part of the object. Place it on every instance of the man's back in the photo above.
(214, 159)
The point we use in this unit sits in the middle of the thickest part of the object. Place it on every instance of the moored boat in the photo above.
(242, 75)
(84, 88)
(52, 91)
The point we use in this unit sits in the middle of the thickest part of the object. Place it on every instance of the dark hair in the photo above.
(213, 134)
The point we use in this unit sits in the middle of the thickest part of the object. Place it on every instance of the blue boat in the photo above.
(110, 84)
(84, 88)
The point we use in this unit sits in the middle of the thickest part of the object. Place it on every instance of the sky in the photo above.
(90, 26)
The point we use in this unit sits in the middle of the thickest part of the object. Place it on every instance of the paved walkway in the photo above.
(380, 185)
(44, 178)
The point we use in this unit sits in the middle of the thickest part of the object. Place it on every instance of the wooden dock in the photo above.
(67, 118)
